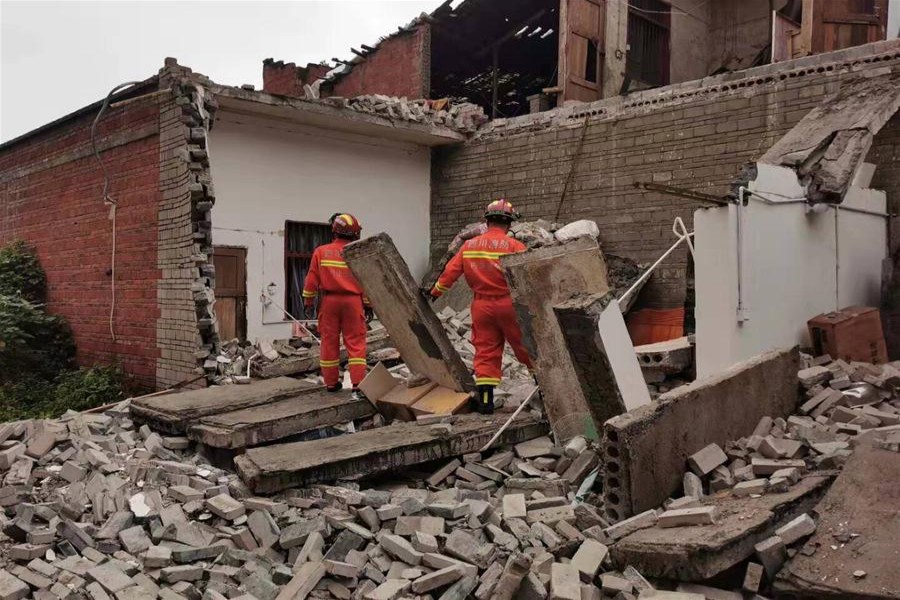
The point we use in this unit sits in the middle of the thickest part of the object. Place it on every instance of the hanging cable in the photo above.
(107, 199)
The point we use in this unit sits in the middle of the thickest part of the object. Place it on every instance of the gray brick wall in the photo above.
(694, 135)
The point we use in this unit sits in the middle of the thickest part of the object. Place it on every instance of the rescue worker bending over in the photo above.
(493, 318)
(343, 309)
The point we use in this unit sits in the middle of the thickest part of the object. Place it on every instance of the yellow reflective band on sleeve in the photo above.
(309, 294)
(335, 264)
(487, 381)
(329, 363)
(440, 287)
(356, 361)
(483, 254)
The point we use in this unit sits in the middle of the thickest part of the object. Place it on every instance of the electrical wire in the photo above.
(107, 199)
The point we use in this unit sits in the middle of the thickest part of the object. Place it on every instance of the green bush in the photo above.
(32, 343)
(86, 388)
(21, 273)
(36, 398)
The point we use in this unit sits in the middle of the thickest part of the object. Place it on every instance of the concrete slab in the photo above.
(603, 355)
(862, 501)
(272, 468)
(415, 330)
(646, 449)
(279, 419)
(698, 552)
(539, 280)
(173, 413)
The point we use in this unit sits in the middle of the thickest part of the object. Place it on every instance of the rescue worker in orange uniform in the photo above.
(343, 308)
(493, 318)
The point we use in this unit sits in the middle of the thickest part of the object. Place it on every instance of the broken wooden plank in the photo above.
(415, 330)
(173, 413)
(539, 280)
(269, 469)
(279, 419)
(699, 552)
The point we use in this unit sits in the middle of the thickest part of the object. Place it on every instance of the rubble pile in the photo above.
(464, 117)
(97, 507)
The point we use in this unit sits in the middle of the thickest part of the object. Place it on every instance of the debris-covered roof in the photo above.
(827, 146)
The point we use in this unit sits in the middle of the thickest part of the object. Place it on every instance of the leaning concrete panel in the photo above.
(603, 355)
(646, 450)
(414, 328)
(698, 552)
(863, 501)
(539, 280)
(173, 413)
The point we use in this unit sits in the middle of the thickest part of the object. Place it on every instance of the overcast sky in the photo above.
(56, 57)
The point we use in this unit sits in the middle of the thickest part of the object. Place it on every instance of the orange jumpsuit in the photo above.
(340, 311)
(493, 318)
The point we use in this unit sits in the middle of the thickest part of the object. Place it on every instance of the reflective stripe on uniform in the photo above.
(329, 363)
(487, 381)
(356, 361)
(336, 264)
(440, 287)
(483, 254)
(309, 294)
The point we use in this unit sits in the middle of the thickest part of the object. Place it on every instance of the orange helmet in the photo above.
(501, 209)
(346, 226)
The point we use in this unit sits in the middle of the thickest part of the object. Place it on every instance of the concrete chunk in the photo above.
(389, 590)
(684, 517)
(772, 553)
(588, 559)
(225, 507)
(565, 583)
(703, 462)
(436, 579)
(11, 587)
(399, 548)
(799, 528)
(514, 506)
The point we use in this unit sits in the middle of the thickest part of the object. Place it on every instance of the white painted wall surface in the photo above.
(267, 172)
(795, 267)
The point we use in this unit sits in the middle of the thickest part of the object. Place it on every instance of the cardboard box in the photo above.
(852, 333)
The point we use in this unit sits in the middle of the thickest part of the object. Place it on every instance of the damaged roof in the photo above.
(417, 121)
(828, 145)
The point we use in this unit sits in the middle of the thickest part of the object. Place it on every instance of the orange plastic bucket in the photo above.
(649, 325)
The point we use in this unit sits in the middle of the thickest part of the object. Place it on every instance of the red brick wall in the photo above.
(695, 135)
(287, 79)
(396, 68)
(57, 206)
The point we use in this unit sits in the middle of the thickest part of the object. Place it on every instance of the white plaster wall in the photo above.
(797, 264)
(267, 172)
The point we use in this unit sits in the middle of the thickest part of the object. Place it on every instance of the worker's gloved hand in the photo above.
(310, 309)
(426, 293)
(370, 314)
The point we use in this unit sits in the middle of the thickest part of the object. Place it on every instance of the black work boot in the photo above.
(334, 388)
(484, 403)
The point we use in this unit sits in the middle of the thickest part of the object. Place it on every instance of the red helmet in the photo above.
(345, 225)
(501, 209)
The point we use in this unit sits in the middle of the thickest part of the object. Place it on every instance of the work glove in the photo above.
(309, 308)
(370, 314)
(426, 293)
